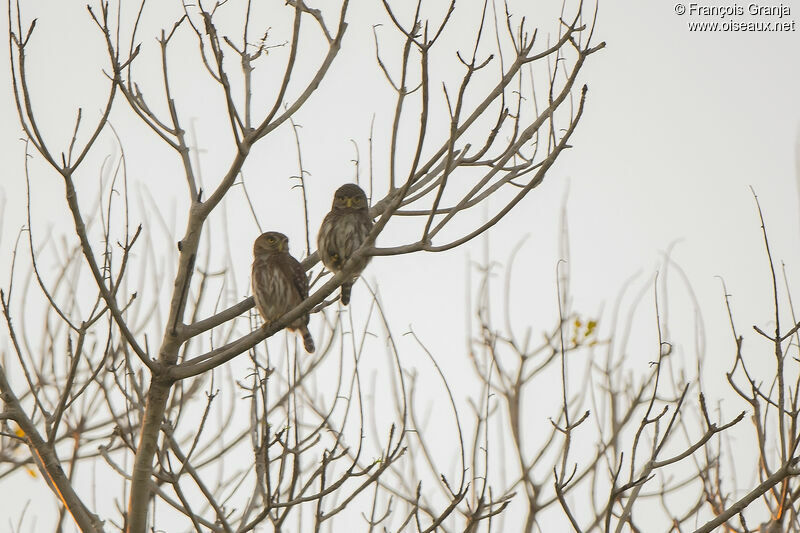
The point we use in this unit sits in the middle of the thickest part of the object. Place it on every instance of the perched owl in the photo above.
(279, 282)
(344, 229)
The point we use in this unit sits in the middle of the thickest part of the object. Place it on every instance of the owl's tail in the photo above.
(346, 288)
(308, 341)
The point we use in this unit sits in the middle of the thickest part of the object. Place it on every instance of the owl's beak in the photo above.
(282, 247)
(349, 202)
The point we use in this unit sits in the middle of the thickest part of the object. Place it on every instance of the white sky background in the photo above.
(677, 126)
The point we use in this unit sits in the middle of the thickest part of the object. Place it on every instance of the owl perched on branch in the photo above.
(279, 282)
(343, 230)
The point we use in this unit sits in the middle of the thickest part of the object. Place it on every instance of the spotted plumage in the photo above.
(343, 230)
(279, 283)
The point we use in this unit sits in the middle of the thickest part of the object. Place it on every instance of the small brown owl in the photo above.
(279, 282)
(344, 229)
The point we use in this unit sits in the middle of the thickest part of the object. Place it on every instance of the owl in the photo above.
(279, 282)
(343, 230)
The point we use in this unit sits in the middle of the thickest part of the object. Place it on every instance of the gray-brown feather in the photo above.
(279, 285)
(344, 229)
(340, 235)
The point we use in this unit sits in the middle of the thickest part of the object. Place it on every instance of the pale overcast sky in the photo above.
(678, 126)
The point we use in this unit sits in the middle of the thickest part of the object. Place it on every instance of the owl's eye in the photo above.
(340, 198)
(270, 239)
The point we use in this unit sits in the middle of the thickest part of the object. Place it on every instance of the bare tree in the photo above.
(629, 448)
(189, 421)
(100, 387)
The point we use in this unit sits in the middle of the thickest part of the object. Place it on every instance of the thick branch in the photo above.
(47, 461)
